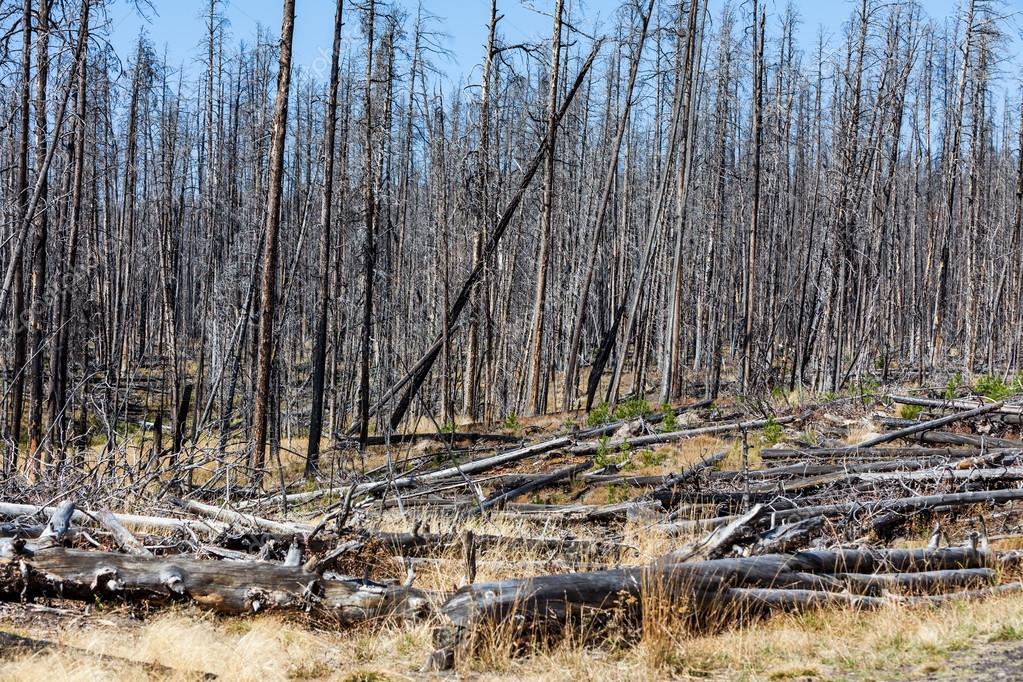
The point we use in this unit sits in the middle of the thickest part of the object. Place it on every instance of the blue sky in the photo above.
(178, 27)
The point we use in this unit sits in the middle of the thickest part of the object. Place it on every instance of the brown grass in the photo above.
(891, 643)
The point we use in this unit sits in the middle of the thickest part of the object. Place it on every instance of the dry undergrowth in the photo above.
(832, 644)
(894, 642)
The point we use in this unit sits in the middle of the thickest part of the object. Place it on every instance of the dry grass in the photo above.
(835, 644)
(891, 643)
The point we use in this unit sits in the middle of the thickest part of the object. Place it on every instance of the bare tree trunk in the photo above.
(483, 178)
(575, 343)
(414, 379)
(951, 183)
(671, 379)
(319, 359)
(21, 187)
(751, 242)
(536, 345)
(369, 247)
(57, 388)
(37, 254)
(273, 220)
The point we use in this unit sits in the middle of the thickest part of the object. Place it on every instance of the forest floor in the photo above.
(954, 640)
(982, 640)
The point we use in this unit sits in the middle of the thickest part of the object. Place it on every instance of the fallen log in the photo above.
(957, 404)
(666, 491)
(126, 542)
(12, 510)
(613, 427)
(923, 582)
(41, 568)
(657, 438)
(536, 484)
(787, 537)
(224, 515)
(718, 542)
(984, 443)
(856, 452)
(433, 544)
(585, 512)
(739, 602)
(880, 474)
(946, 474)
(444, 436)
(903, 505)
(712, 588)
(928, 425)
(472, 467)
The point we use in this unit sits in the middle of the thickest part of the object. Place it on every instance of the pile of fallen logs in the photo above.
(805, 528)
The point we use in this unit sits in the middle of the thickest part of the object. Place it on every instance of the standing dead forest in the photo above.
(329, 293)
(687, 204)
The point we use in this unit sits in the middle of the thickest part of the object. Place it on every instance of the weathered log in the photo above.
(595, 478)
(426, 544)
(657, 438)
(985, 443)
(225, 515)
(536, 484)
(737, 602)
(613, 427)
(443, 436)
(12, 510)
(58, 525)
(547, 603)
(420, 544)
(923, 582)
(865, 473)
(946, 474)
(472, 467)
(855, 452)
(904, 505)
(666, 491)
(928, 425)
(586, 512)
(232, 587)
(124, 539)
(957, 404)
(719, 541)
(787, 537)
(982, 593)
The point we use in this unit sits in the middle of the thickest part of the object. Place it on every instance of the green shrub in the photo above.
(952, 387)
(866, 390)
(599, 415)
(632, 408)
(911, 411)
(991, 386)
(670, 421)
(603, 456)
(617, 492)
(651, 458)
(511, 422)
(772, 432)
(608, 456)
